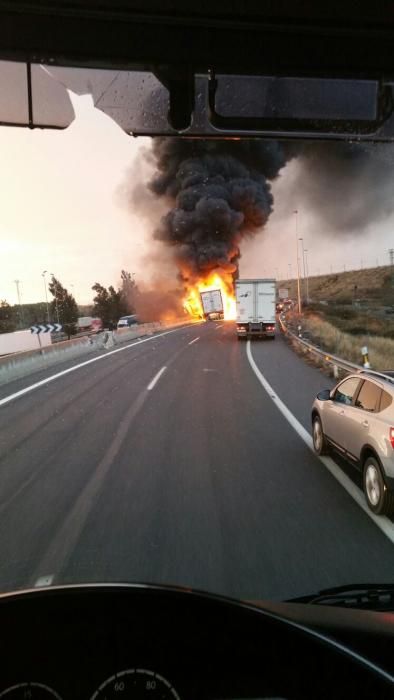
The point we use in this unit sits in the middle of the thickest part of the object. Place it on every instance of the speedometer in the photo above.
(136, 683)
(29, 691)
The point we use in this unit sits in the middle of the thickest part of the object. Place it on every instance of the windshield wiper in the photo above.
(367, 596)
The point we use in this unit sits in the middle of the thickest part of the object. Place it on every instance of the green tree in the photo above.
(101, 304)
(109, 304)
(129, 291)
(8, 321)
(64, 308)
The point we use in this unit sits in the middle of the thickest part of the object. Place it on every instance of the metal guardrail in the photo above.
(330, 359)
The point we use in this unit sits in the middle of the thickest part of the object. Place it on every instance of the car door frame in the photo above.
(356, 414)
(339, 409)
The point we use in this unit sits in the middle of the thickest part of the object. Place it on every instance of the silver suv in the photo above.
(356, 419)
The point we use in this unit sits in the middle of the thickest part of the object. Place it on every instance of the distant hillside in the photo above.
(374, 286)
(85, 309)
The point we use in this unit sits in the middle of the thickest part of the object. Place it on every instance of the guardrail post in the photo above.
(335, 371)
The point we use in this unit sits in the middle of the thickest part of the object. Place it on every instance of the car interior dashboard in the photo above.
(135, 641)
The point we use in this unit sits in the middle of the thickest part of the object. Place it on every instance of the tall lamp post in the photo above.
(303, 255)
(21, 315)
(298, 262)
(304, 265)
(46, 293)
(307, 274)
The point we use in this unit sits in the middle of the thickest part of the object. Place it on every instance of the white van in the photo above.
(127, 321)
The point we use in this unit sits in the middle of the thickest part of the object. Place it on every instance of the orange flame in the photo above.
(192, 302)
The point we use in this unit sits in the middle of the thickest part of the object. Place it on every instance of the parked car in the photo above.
(89, 324)
(356, 419)
(127, 321)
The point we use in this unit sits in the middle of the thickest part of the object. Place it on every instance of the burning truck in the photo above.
(212, 304)
(219, 195)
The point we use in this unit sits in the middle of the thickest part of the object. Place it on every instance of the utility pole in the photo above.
(391, 254)
(21, 318)
(298, 262)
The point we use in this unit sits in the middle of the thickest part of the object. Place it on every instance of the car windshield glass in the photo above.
(170, 308)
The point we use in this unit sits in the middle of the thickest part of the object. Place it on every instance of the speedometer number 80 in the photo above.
(136, 683)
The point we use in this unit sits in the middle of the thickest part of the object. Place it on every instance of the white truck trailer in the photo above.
(212, 304)
(256, 305)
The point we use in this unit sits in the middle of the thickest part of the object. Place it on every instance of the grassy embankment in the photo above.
(350, 310)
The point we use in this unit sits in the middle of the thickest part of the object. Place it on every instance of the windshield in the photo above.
(170, 310)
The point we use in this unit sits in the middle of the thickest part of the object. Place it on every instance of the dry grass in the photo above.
(351, 320)
(373, 284)
(331, 339)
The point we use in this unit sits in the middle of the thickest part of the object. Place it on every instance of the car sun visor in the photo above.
(165, 102)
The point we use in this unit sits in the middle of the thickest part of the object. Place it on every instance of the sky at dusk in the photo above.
(63, 211)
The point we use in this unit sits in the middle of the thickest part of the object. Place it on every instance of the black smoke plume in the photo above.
(218, 194)
(347, 186)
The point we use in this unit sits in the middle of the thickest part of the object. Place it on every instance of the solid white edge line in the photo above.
(52, 378)
(383, 523)
(194, 340)
(156, 378)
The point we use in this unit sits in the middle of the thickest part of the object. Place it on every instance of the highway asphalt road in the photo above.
(168, 462)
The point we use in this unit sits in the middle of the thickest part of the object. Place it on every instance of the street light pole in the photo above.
(307, 275)
(21, 318)
(46, 293)
(303, 255)
(298, 261)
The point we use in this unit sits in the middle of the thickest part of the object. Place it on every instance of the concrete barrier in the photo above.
(24, 363)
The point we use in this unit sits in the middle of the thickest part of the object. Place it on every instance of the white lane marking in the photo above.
(383, 523)
(27, 389)
(221, 326)
(156, 378)
(64, 541)
(194, 341)
(44, 581)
